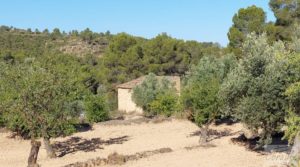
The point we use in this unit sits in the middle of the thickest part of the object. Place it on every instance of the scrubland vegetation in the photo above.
(48, 86)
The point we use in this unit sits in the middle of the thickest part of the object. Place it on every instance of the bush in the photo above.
(145, 93)
(155, 97)
(96, 109)
(165, 104)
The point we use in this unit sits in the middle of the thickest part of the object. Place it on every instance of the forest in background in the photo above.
(255, 79)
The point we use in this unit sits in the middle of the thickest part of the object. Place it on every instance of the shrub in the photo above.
(165, 104)
(154, 96)
(145, 93)
(96, 109)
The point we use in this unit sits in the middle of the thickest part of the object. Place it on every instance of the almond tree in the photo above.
(43, 96)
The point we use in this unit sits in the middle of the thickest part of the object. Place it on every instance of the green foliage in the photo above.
(200, 93)
(128, 57)
(14, 122)
(155, 96)
(38, 97)
(122, 59)
(105, 59)
(293, 94)
(165, 104)
(293, 124)
(254, 91)
(286, 13)
(46, 73)
(87, 35)
(246, 21)
(147, 92)
(165, 55)
(294, 45)
(56, 34)
(2, 121)
(96, 109)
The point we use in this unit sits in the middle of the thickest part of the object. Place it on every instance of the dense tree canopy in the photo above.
(203, 81)
(124, 57)
(42, 96)
(128, 57)
(246, 21)
(254, 91)
(293, 94)
(287, 13)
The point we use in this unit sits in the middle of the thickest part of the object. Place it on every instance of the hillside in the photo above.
(104, 58)
(19, 42)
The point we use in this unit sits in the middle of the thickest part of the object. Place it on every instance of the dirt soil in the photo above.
(131, 138)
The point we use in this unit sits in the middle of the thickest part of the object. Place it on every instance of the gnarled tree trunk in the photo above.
(204, 135)
(35, 147)
(294, 160)
(49, 149)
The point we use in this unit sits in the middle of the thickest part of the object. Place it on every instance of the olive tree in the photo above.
(293, 91)
(43, 95)
(292, 132)
(200, 91)
(254, 91)
(293, 118)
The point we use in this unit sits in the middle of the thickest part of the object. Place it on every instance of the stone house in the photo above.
(125, 90)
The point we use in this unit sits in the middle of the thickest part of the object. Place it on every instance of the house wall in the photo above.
(177, 85)
(125, 102)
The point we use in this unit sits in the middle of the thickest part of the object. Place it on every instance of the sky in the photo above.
(201, 20)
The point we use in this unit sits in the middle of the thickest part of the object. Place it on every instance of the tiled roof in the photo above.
(135, 82)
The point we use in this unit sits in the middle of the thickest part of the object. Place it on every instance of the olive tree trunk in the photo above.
(204, 135)
(32, 159)
(49, 148)
(294, 156)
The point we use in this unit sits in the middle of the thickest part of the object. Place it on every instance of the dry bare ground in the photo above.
(130, 139)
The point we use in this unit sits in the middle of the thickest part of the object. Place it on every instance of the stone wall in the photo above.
(125, 102)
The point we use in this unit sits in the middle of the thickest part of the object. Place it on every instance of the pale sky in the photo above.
(201, 20)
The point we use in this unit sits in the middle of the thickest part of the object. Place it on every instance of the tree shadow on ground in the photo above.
(226, 121)
(83, 127)
(75, 144)
(214, 134)
(278, 144)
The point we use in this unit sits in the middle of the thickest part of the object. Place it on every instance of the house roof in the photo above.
(131, 84)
